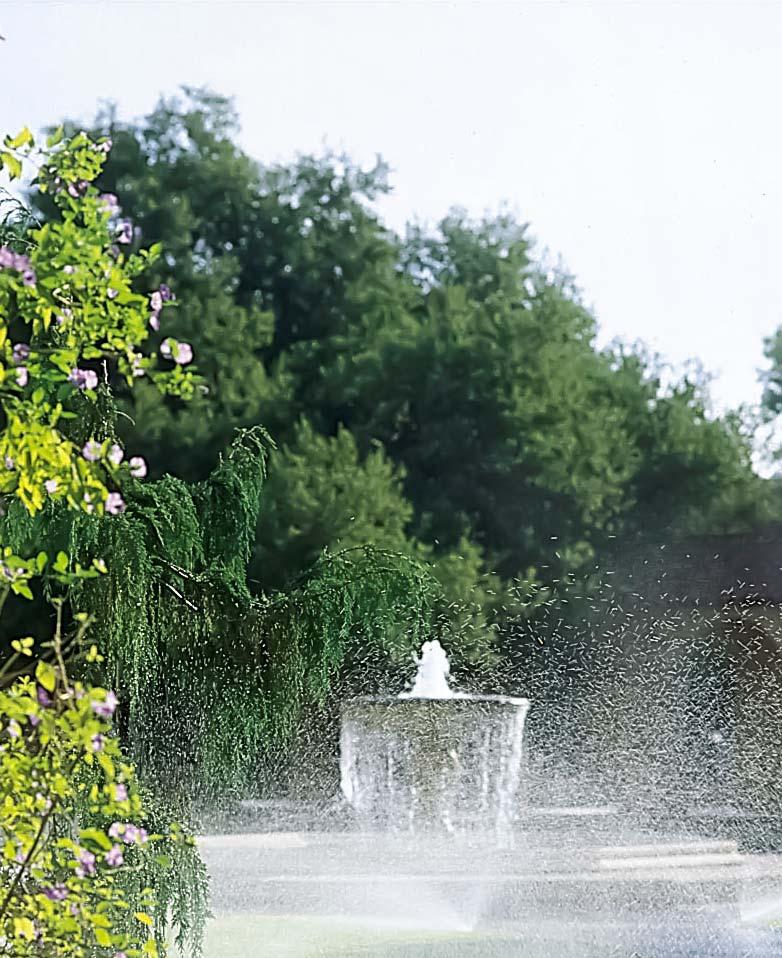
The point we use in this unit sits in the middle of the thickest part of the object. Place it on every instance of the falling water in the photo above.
(645, 818)
(432, 758)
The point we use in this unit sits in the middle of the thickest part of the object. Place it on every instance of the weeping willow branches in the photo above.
(210, 675)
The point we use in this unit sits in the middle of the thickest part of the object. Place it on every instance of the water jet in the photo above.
(432, 758)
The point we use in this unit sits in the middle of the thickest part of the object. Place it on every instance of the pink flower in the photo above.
(105, 709)
(83, 378)
(115, 504)
(97, 742)
(154, 321)
(92, 451)
(19, 262)
(21, 352)
(21, 376)
(124, 232)
(69, 270)
(138, 467)
(181, 353)
(121, 792)
(50, 486)
(115, 455)
(86, 864)
(112, 293)
(56, 893)
(109, 202)
(129, 833)
(114, 856)
(156, 301)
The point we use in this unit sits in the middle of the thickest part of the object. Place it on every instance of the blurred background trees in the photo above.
(439, 394)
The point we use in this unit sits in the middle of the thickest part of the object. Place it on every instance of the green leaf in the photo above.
(12, 164)
(46, 676)
(24, 928)
(102, 937)
(23, 138)
(21, 588)
(56, 136)
(97, 836)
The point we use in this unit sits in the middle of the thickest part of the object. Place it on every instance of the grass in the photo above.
(297, 936)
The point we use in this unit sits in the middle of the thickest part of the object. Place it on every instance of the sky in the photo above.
(641, 141)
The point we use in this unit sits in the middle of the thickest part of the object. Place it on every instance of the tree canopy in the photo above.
(440, 392)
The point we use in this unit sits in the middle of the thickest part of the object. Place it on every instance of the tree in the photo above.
(322, 495)
(265, 261)
(174, 597)
(472, 365)
(693, 472)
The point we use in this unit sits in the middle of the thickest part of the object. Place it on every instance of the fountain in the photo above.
(432, 758)
(421, 853)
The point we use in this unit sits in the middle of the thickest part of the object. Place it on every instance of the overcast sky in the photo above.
(641, 141)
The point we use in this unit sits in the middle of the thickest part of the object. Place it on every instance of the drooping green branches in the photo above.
(212, 677)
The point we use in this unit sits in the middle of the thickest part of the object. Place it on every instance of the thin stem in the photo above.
(58, 644)
(28, 858)
(3, 596)
(188, 603)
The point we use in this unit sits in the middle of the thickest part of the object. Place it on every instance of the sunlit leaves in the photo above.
(69, 287)
(70, 320)
(57, 754)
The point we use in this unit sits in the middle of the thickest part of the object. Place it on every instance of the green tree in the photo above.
(322, 495)
(515, 438)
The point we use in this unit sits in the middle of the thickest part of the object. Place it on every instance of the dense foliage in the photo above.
(211, 675)
(186, 644)
(448, 381)
(81, 875)
(438, 402)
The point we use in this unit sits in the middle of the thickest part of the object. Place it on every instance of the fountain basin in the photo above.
(418, 764)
